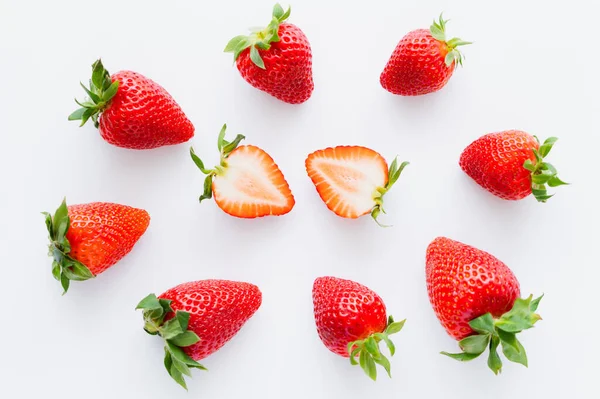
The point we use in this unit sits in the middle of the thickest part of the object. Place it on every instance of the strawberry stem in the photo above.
(368, 351)
(502, 331)
(543, 173)
(260, 38)
(394, 173)
(102, 89)
(225, 148)
(438, 31)
(175, 334)
(64, 268)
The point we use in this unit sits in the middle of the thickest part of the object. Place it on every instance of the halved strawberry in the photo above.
(352, 180)
(247, 183)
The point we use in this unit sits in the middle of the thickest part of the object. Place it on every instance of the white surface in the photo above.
(532, 67)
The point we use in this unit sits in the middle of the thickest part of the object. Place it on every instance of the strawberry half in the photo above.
(247, 183)
(476, 298)
(511, 165)
(351, 321)
(132, 111)
(276, 59)
(196, 319)
(422, 62)
(87, 239)
(352, 180)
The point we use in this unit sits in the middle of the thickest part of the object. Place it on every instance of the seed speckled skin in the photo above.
(417, 65)
(464, 283)
(102, 233)
(218, 310)
(495, 161)
(288, 67)
(142, 115)
(346, 311)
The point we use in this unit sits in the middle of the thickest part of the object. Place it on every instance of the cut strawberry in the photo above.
(247, 183)
(352, 180)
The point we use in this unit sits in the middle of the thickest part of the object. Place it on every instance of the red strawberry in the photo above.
(351, 321)
(87, 239)
(352, 180)
(132, 111)
(422, 62)
(247, 183)
(476, 298)
(277, 60)
(196, 319)
(511, 165)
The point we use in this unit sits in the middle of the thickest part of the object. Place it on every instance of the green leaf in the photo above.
(475, 344)
(541, 178)
(111, 91)
(87, 115)
(235, 43)
(77, 115)
(450, 57)
(171, 329)
(535, 303)
(149, 302)
(368, 365)
(529, 165)
(507, 338)
(372, 347)
(177, 376)
(179, 354)
(278, 11)
(182, 367)
(80, 270)
(555, 182)
(221, 138)
(483, 324)
(286, 15)
(519, 318)
(388, 342)
(385, 363)
(168, 360)
(56, 270)
(515, 353)
(207, 194)
(185, 339)
(353, 355)
(98, 74)
(462, 357)
(199, 162)
(256, 58)
(494, 362)
(547, 146)
(183, 318)
(233, 145)
(60, 222)
(395, 327)
(64, 282)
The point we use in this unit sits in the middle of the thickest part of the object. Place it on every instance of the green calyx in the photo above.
(102, 89)
(225, 148)
(393, 176)
(502, 331)
(543, 173)
(64, 268)
(259, 38)
(368, 351)
(438, 31)
(174, 332)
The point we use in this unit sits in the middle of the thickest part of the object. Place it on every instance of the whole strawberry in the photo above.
(196, 319)
(351, 321)
(132, 111)
(476, 298)
(510, 165)
(277, 59)
(422, 62)
(87, 239)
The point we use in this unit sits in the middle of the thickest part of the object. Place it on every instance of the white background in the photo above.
(533, 67)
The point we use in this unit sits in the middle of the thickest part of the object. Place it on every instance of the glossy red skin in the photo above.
(346, 311)
(142, 115)
(288, 67)
(102, 233)
(495, 161)
(464, 283)
(417, 65)
(218, 309)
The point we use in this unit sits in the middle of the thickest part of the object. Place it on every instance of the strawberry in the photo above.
(510, 165)
(132, 111)
(87, 239)
(196, 319)
(247, 183)
(352, 180)
(476, 298)
(422, 62)
(276, 59)
(351, 321)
